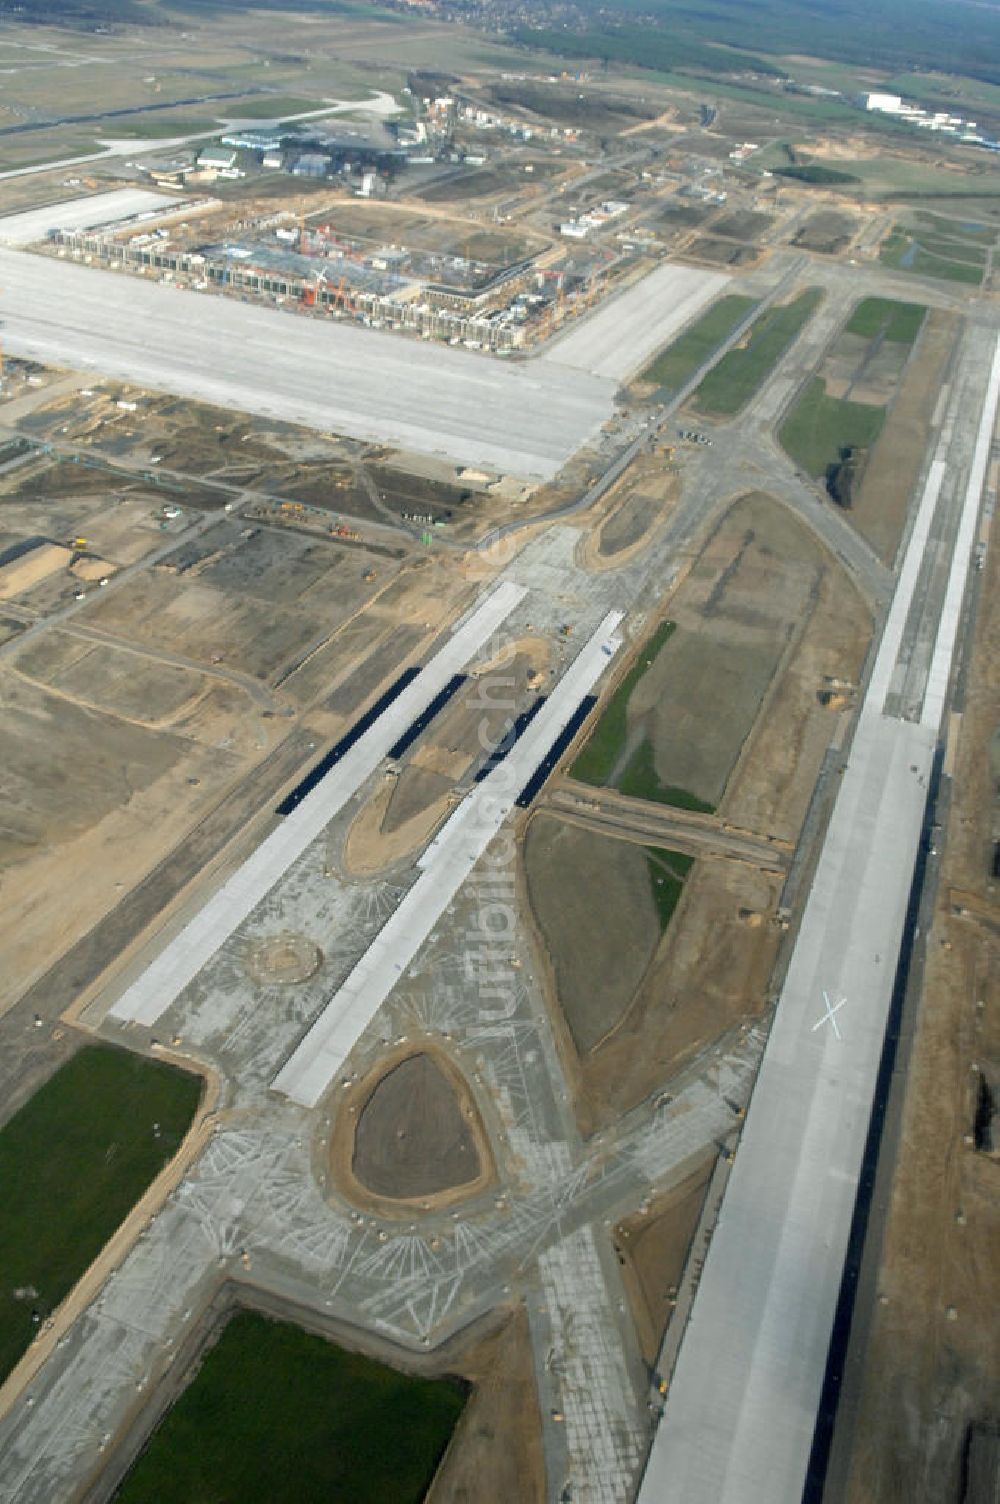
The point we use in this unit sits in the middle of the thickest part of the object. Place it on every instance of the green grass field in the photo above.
(270, 106)
(667, 871)
(897, 176)
(278, 1416)
(968, 231)
(73, 1162)
(152, 127)
(604, 746)
(947, 247)
(899, 322)
(819, 427)
(900, 251)
(731, 384)
(678, 362)
(597, 759)
(640, 780)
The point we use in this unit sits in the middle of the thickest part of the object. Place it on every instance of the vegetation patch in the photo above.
(827, 231)
(667, 871)
(904, 253)
(572, 874)
(948, 248)
(640, 780)
(675, 365)
(839, 414)
(606, 744)
(820, 432)
(644, 47)
(278, 1416)
(740, 372)
(966, 230)
(73, 1162)
(816, 174)
(272, 106)
(152, 126)
(887, 319)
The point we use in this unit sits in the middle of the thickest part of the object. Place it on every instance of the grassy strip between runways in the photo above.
(678, 362)
(819, 427)
(731, 384)
(667, 871)
(597, 758)
(899, 322)
(640, 780)
(276, 1415)
(73, 1162)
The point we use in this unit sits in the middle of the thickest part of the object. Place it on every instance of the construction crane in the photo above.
(341, 296)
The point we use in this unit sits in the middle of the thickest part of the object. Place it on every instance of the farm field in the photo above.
(276, 1415)
(73, 1161)
(740, 372)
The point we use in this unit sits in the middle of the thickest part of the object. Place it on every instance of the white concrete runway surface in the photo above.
(446, 865)
(522, 419)
(619, 339)
(741, 1413)
(81, 214)
(179, 963)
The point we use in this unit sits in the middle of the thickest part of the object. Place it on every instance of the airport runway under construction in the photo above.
(741, 1416)
(152, 993)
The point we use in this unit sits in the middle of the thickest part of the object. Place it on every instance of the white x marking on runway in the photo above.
(828, 1016)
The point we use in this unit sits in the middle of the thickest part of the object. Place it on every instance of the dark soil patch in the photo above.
(723, 252)
(574, 875)
(744, 224)
(413, 1136)
(632, 519)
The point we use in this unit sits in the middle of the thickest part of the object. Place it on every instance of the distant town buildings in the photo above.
(938, 121)
(889, 104)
